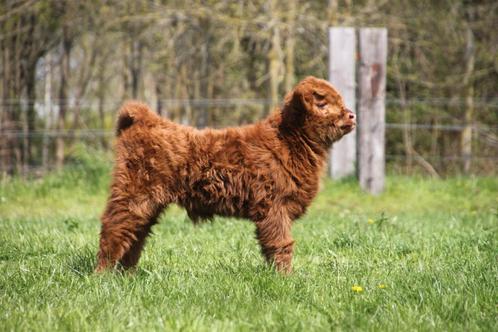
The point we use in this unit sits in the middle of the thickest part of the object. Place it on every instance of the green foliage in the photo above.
(442, 68)
(422, 256)
(86, 166)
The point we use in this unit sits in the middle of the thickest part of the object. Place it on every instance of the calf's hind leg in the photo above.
(125, 226)
(131, 257)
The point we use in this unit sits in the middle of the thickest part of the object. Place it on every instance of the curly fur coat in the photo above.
(267, 172)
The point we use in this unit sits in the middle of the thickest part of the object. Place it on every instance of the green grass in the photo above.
(433, 244)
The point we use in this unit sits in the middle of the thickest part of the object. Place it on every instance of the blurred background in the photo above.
(66, 66)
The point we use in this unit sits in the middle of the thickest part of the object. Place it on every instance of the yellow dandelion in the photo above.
(357, 289)
(371, 221)
(381, 286)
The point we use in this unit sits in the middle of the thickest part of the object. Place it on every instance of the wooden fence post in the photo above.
(371, 108)
(342, 63)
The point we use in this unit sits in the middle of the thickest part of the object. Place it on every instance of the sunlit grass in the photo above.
(422, 256)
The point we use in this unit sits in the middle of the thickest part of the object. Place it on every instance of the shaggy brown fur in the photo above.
(267, 172)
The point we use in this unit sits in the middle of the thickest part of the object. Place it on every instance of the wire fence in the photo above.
(107, 132)
(436, 143)
(225, 102)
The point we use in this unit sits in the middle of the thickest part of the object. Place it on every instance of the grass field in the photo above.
(423, 256)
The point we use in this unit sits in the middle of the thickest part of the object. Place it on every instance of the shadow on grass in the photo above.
(83, 261)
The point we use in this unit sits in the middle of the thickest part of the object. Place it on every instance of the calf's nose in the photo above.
(351, 114)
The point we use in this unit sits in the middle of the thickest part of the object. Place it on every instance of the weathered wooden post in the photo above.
(371, 108)
(342, 63)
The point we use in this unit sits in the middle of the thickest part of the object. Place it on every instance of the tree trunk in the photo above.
(31, 114)
(435, 140)
(101, 100)
(185, 103)
(407, 121)
(203, 110)
(85, 76)
(64, 77)
(30, 55)
(4, 107)
(407, 136)
(15, 105)
(48, 111)
(466, 140)
(126, 71)
(410, 152)
(289, 47)
(135, 66)
(198, 109)
(332, 11)
(275, 60)
(159, 96)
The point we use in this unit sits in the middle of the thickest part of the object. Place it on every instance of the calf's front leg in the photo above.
(274, 235)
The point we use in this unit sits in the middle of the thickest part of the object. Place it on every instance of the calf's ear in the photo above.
(297, 103)
(301, 97)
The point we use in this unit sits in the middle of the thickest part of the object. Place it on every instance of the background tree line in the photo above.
(66, 65)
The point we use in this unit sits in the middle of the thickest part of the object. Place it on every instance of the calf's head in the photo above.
(316, 108)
